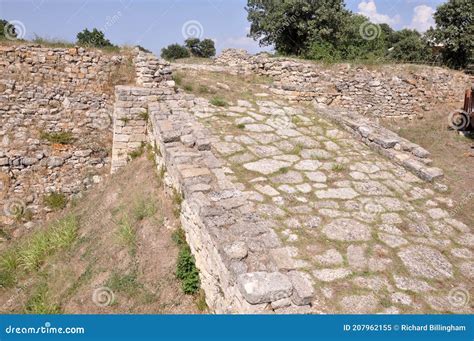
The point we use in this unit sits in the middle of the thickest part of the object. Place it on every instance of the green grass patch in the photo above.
(188, 87)
(127, 284)
(241, 126)
(55, 201)
(40, 302)
(218, 101)
(61, 137)
(143, 208)
(126, 233)
(31, 253)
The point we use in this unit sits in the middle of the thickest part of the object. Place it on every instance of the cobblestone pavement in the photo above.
(370, 236)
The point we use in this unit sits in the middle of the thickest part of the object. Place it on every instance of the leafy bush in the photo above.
(94, 38)
(187, 272)
(174, 51)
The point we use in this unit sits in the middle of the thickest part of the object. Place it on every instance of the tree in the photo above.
(207, 48)
(193, 45)
(174, 51)
(6, 27)
(409, 45)
(455, 31)
(94, 38)
(292, 26)
(198, 48)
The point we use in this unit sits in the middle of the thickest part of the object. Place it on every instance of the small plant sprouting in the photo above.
(241, 126)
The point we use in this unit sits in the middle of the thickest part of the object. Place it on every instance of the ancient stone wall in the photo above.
(236, 250)
(48, 94)
(383, 91)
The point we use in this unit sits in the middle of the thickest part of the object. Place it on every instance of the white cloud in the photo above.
(422, 18)
(369, 9)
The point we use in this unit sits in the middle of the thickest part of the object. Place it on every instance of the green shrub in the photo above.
(174, 51)
(62, 137)
(55, 200)
(187, 272)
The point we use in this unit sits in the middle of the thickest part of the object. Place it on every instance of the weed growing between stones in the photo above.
(55, 201)
(337, 167)
(137, 152)
(218, 101)
(61, 137)
(177, 201)
(144, 115)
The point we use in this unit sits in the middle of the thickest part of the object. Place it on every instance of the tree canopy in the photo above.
(326, 30)
(455, 32)
(94, 38)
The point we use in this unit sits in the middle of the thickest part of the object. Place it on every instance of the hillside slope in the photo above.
(111, 252)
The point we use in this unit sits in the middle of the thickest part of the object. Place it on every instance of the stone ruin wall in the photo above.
(236, 250)
(48, 90)
(381, 91)
(231, 243)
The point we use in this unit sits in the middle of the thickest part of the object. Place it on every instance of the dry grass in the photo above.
(449, 150)
(211, 85)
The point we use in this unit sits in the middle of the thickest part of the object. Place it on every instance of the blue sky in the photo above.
(157, 23)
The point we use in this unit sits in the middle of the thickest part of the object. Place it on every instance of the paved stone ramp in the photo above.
(369, 236)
